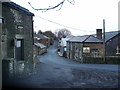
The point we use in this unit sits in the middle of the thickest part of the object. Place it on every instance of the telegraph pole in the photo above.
(104, 41)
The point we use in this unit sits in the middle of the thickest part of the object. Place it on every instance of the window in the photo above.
(95, 52)
(1, 20)
(86, 49)
(118, 50)
(18, 44)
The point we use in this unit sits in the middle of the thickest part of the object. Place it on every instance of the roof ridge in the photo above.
(86, 38)
(18, 7)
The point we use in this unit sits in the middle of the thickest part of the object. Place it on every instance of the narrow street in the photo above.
(54, 71)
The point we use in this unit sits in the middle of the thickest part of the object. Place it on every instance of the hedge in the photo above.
(100, 60)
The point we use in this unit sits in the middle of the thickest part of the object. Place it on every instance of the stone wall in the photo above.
(0, 48)
(18, 25)
(98, 46)
(111, 46)
(75, 50)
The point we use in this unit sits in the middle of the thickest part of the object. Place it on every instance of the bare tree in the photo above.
(62, 33)
(49, 34)
(40, 32)
(53, 7)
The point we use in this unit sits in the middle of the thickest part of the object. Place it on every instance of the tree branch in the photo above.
(71, 1)
(46, 9)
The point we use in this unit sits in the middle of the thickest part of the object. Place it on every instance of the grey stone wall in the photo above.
(18, 25)
(75, 50)
(0, 48)
(111, 46)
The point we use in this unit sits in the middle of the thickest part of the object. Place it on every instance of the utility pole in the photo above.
(104, 41)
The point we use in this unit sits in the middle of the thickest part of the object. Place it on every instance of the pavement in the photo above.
(53, 71)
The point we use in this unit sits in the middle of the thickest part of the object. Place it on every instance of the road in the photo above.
(53, 58)
(54, 71)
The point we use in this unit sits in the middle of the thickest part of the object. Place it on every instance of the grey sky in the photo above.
(82, 18)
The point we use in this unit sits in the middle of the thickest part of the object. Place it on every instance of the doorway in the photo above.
(19, 51)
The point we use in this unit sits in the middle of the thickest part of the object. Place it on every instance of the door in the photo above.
(19, 49)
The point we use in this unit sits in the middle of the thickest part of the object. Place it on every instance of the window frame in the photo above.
(85, 48)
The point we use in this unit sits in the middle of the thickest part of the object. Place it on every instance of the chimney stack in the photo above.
(99, 33)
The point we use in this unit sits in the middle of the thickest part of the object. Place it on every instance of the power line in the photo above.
(63, 25)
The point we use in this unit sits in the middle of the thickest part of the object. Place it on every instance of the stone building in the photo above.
(39, 49)
(17, 38)
(81, 46)
(112, 44)
(42, 39)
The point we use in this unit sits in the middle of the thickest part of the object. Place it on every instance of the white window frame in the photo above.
(118, 50)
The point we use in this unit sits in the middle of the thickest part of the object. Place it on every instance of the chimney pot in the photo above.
(99, 33)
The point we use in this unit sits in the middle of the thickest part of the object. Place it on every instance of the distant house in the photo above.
(17, 38)
(62, 46)
(42, 39)
(39, 49)
(80, 46)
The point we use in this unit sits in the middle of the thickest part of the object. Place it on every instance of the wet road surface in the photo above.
(53, 71)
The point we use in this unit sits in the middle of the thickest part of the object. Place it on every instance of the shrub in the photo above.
(99, 60)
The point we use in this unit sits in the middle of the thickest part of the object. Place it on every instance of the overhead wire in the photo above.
(63, 25)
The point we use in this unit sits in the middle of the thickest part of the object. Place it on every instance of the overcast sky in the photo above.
(82, 18)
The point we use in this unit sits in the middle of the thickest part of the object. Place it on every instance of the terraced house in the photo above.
(17, 38)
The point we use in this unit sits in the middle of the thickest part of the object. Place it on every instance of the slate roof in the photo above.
(93, 39)
(86, 38)
(41, 36)
(40, 45)
(109, 35)
(17, 7)
(78, 38)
